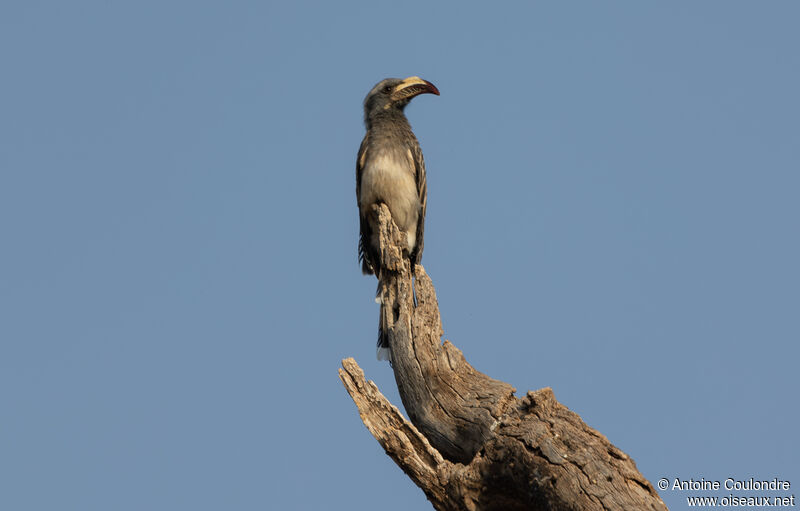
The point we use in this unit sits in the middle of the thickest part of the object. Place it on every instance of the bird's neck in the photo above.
(392, 117)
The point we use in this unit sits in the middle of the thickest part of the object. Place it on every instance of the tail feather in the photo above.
(385, 354)
(384, 351)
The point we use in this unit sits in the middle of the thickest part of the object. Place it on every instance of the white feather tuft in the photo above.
(384, 354)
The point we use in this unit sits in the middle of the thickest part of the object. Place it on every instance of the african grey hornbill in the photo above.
(390, 170)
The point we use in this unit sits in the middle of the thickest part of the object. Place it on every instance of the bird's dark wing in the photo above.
(422, 192)
(366, 233)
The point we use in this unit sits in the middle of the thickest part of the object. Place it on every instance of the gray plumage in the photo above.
(390, 169)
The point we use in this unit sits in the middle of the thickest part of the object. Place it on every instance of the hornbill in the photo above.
(390, 170)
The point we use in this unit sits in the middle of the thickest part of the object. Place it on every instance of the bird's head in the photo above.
(394, 94)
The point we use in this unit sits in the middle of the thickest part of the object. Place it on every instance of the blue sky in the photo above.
(612, 212)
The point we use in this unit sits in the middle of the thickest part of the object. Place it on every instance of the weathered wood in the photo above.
(471, 444)
(451, 403)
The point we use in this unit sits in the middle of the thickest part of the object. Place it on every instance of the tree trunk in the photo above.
(471, 444)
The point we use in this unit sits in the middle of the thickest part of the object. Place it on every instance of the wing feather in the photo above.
(367, 266)
(422, 192)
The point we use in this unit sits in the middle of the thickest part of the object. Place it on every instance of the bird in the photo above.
(390, 170)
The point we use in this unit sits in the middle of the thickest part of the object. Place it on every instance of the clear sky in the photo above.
(612, 212)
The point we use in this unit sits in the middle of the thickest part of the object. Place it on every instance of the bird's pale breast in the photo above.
(389, 178)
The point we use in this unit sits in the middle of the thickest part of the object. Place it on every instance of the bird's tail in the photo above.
(384, 352)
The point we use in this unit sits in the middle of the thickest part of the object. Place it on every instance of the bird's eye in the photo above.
(387, 89)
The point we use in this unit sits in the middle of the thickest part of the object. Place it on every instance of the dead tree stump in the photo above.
(471, 444)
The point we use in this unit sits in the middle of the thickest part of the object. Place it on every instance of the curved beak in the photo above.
(413, 86)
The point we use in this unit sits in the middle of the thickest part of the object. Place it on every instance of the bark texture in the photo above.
(471, 444)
